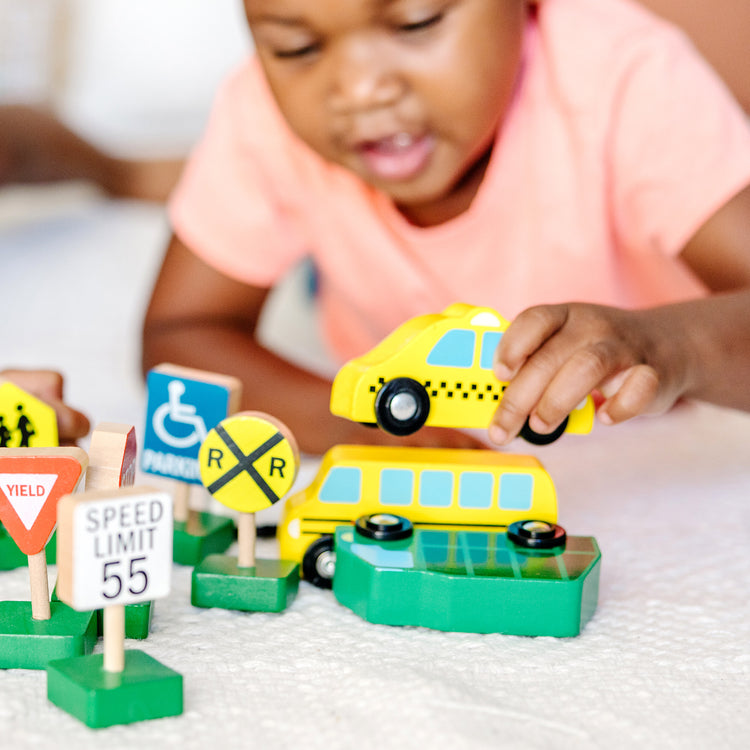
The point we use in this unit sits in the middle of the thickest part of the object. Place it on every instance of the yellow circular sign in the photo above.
(248, 461)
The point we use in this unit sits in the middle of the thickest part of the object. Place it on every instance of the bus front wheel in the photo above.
(542, 438)
(319, 562)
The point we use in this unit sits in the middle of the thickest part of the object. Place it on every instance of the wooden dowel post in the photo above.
(246, 540)
(114, 638)
(40, 609)
(181, 495)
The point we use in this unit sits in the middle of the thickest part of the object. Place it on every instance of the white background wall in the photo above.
(134, 75)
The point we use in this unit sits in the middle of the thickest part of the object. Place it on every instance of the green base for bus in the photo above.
(269, 586)
(11, 557)
(145, 689)
(466, 581)
(26, 643)
(209, 534)
(137, 619)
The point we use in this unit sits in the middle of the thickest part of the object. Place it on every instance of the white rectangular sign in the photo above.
(122, 549)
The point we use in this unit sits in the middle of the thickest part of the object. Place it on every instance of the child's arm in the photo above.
(644, 360)
(47, 385)
(200, 318)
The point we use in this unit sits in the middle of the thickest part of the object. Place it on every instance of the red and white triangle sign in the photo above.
(32, 481)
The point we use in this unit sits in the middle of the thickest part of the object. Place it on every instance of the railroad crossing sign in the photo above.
(25, 421)
(31, 483)
(249, 461)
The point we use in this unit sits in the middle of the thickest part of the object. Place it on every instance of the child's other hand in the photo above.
(47, 385)
(554, 355)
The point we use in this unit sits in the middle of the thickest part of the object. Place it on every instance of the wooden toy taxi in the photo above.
(248, 462)
(436, 370)
(183, 405)
(25, 422)
(114, 549)
(32, 481)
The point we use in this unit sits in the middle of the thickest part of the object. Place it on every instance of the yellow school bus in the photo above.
(432, 487)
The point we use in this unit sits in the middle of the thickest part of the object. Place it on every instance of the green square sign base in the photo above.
(468, 581)
(209, 534)
(26, 643)
(11, 557)
(137, 619)
(269, 586)
(145, 689)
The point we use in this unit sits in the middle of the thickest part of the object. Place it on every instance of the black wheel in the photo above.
(536, 534)
(540, 438)
(319, 562)
(384, 527)
(402, 406)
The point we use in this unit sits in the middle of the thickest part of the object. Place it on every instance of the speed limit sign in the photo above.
(114, 547)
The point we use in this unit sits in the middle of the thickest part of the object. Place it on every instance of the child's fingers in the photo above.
(630, 393)
(525, 335)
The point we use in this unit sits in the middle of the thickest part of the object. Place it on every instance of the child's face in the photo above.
(407, 94)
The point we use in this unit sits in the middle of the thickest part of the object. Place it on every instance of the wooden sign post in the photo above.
(32, 481)
(183, 405)
(248, 462)
(114, 549)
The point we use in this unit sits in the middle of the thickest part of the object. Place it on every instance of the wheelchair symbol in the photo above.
(179, 413)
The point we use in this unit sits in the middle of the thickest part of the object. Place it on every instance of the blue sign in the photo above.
(179, 414)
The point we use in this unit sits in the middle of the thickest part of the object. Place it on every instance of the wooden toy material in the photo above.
(32, 481)
(115, 548)
(469, 489)
(112, 464)
(25, 421)
(248, 462)
(468, 581)
(144, 689)
(435, 370)
(183, 405)
(11, 557)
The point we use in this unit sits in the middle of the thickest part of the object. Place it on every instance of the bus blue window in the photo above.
(342, 485)
(454, 349)
(515, 491)
(475, 489)
(490, 340)
(435, 489)
(396, 486)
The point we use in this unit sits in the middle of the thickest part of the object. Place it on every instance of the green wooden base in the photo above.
(137, 619)
(462, 581)
(26, 643)
(11, 557)
(270, 586)
(209, 535)
(145, 689)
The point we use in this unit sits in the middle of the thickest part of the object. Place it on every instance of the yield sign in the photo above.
(31, 483)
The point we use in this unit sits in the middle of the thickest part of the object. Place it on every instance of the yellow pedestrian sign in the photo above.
(25, 421)
(249, 461)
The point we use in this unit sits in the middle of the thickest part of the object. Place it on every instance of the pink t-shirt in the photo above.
(619, 144)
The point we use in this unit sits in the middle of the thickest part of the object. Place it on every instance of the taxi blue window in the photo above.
(490, 340)
(475, 489)
(454, 349)
(342, 485)
(396, 486)
(515, 491)
(435, 489)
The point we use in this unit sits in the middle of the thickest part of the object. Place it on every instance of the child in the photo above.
(500, 152)
(47, 385)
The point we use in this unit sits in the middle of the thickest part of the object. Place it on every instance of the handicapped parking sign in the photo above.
(183, 405)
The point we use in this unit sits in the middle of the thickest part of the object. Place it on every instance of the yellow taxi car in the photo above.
(436, 370)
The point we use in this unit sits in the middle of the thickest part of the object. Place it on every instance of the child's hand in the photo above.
(47, 385)
(553, 356)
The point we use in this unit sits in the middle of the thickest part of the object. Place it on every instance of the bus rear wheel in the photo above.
(319, 562)
(542, 438)
(402, 406)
